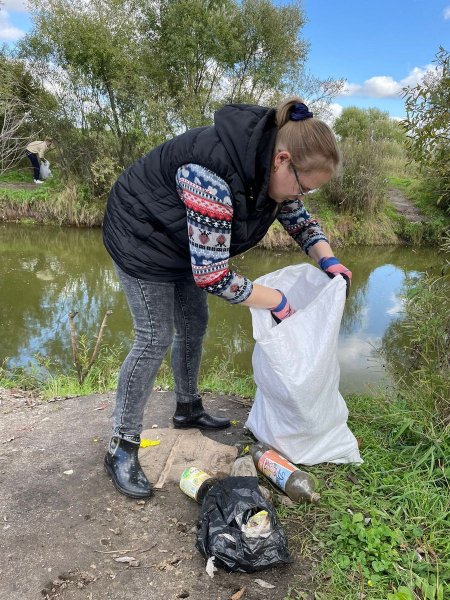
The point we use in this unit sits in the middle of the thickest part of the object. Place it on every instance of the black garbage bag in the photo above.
(226, 509)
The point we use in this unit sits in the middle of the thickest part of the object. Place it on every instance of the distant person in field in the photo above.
(36, 153)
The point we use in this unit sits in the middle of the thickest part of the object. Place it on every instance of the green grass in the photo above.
(21, 196)
(23, 175)
(382, 530)
(49, 380)
(36, 193)
(383, 526)
(53, 202)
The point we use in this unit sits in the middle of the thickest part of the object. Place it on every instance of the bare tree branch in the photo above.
(13, 115)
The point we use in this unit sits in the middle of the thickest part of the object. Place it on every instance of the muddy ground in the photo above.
(62, 523)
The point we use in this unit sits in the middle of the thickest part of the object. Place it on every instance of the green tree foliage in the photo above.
(20, 95)
(127, 74)
(203, 53)
(373, 147)
(365, 124)
(428, 126)
(360, 186)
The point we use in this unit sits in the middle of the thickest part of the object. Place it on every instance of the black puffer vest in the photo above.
(145, 225)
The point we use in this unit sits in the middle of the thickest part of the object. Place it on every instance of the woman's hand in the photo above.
(283, 310)
(332, 267)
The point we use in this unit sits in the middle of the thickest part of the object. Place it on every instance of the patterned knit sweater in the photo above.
(209, 216)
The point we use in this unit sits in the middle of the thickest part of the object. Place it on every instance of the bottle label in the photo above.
(191, 480)
(276, 468)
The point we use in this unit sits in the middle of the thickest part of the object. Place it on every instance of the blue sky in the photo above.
(393, 41)
(378, 47)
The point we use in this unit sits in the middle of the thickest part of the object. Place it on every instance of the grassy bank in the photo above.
(48, 380)
(381, 530)
(52, 202)
(70, 205)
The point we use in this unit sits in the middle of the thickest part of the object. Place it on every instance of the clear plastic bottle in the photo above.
(297, 484)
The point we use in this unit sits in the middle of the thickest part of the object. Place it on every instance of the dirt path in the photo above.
(405, 207)
(18, 186)
(63, 523)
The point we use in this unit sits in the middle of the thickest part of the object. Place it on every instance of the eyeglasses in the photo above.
(301, 191)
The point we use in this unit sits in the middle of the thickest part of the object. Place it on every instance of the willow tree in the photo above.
(130, 73)
(428, 126)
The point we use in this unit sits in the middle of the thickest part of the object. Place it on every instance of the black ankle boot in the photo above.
(192, 414)
(122, 465)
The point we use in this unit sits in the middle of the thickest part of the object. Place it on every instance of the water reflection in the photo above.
(47, 272)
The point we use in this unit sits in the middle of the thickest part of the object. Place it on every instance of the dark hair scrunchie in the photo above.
(299, 112)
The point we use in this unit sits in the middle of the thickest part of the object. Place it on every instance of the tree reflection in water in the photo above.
(47, 272)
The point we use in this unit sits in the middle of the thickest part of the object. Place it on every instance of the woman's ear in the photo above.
(281, 157)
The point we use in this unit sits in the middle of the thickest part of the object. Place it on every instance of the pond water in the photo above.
(47, 272)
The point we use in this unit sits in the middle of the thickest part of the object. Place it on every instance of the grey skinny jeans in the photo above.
(164, 313)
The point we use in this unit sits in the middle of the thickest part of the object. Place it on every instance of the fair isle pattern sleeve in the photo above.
(297, 221)
(209, 215)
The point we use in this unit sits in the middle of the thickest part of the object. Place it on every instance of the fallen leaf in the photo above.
(264, 584)
(238, 595)
(125, 559)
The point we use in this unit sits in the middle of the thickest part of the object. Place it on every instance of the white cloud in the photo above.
(382, 87)
(398, 305)
(417, 75)
(16, 5)
(446, 13)
(335, 111)
(385, 86)
(8, 32)
(350, 89)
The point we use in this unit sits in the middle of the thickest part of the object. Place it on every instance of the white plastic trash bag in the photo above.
(45, 171)
(298, 409)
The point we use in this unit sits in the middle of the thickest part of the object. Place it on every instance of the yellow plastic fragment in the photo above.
(147, 443)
